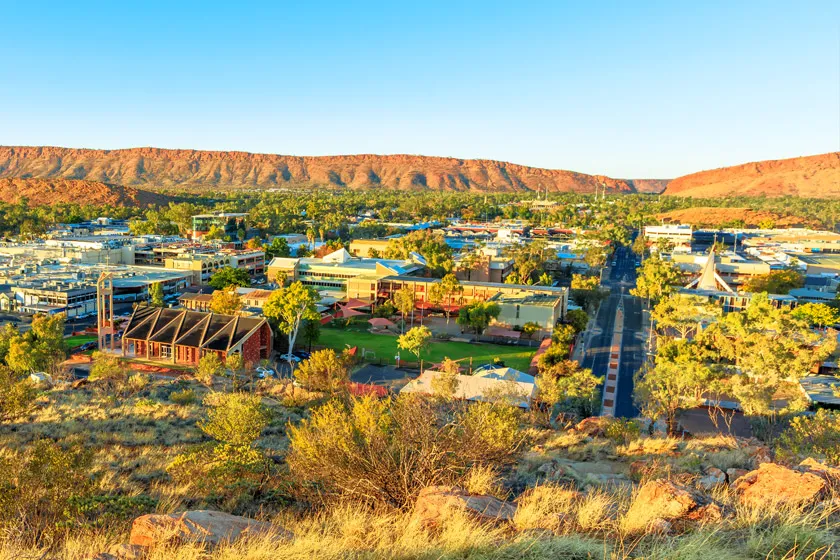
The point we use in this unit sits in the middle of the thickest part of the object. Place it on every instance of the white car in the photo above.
(263, 373)
(289, 358)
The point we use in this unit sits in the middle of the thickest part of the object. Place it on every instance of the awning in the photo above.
(381, 322)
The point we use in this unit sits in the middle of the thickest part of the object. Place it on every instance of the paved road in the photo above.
(621, 278)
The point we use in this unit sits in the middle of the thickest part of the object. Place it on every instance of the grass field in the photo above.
(73, 341)
(385, 347)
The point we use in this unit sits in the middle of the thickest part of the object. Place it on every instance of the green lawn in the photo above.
(73, 341)
(385, 347)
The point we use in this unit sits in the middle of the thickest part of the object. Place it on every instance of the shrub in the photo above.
(622, 431)
(544, 507)
(814, 435)
(38, 486)
(17, 393)
(386, 451)
(323, 371)
(183, 397)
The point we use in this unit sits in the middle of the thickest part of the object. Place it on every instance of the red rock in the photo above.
(434, 503)
(663, 500)
(594, 426)
(200, 526)
(773, 484)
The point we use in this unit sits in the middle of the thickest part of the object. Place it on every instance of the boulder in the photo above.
(713, 477)
(828, 473)
(435, 503)
(594, 426)
(663, 500)
(734, 474)
(128, 551)
(199, 526)
(773, 484)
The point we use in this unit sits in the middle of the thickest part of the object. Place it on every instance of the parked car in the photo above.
(289, 358)
(263, 372)
(302, 354)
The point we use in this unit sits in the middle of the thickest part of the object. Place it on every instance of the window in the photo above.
(165, 351)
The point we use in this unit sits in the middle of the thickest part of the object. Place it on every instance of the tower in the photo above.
(105, 311)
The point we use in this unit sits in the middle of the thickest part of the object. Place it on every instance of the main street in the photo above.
(621, 278)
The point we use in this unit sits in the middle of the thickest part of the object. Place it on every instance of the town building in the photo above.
(369, 248)
(678, 234)
(516, 387)
(335, 270)
(180, 336)
(71, 289)
(484, 265)
(517, 309)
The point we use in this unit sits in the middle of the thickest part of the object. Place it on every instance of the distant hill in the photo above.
(40, 192)
(705, 216)
(153, 168)
(811, 176)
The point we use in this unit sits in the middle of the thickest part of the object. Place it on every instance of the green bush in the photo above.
(622, 431)
(814, 435)
(183, 397)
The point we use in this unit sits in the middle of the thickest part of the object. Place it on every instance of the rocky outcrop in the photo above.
(660, 505)
(153, 168)
(811, 176)
(594, 426)
(772, 485)
(44, 192)
(200, 526)
(435, 503)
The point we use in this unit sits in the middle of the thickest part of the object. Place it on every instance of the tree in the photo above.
(656, 278)
(478, 315)
(585, 282)
(530, 328)
(672, 385)
(209, 366)
(324, 371)
(595, 256)
(566, 381)
(17, 393)
(445, 384)
(639, 245)
(226, 301)
(817, 314)
(253, 244)
(776, 282)
(432, 246)
(441, 293)
(578, 319)
(311, 332)
(23, 356)
(289, 307)
(683, 314)
(228, 276)
(415, 340)
(156, 295)
(110, 371)
(404, 302)
(278, 247)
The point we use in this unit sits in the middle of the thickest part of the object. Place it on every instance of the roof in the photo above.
(477, 388)
(820, 389)
(501, 331)
(190, 328)
(506, 374)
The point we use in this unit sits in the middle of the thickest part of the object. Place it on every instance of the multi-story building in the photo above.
(369, 248)
(485, 265)
(678, 234)
(200, 266)
(333, 271)
(71, 289)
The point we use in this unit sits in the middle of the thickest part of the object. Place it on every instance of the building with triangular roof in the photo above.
(181, 336)
(709, 279)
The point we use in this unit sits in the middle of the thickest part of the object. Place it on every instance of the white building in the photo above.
(678, 234)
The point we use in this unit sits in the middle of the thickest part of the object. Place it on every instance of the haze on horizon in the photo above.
(647, 90)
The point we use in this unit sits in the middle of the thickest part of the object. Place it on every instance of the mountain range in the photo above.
(55, 174)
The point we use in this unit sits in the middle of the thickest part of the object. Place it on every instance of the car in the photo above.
(302, 354)
(289, 358)
(263, 372)
(614, 263)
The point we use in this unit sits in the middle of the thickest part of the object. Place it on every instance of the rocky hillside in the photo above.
(812, 176)
(57, 191)
(705, 216)
(154, 168)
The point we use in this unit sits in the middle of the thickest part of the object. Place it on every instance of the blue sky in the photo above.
(627, 89)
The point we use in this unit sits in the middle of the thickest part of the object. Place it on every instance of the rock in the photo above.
(714, 476)
(659, 527)
(594, 426)
(759, 455)
(79, 383)
(199, 526)
(734, 474)
(664, 500)
(828, 473)
(773, 484)
(41, 380)
(434, 503)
